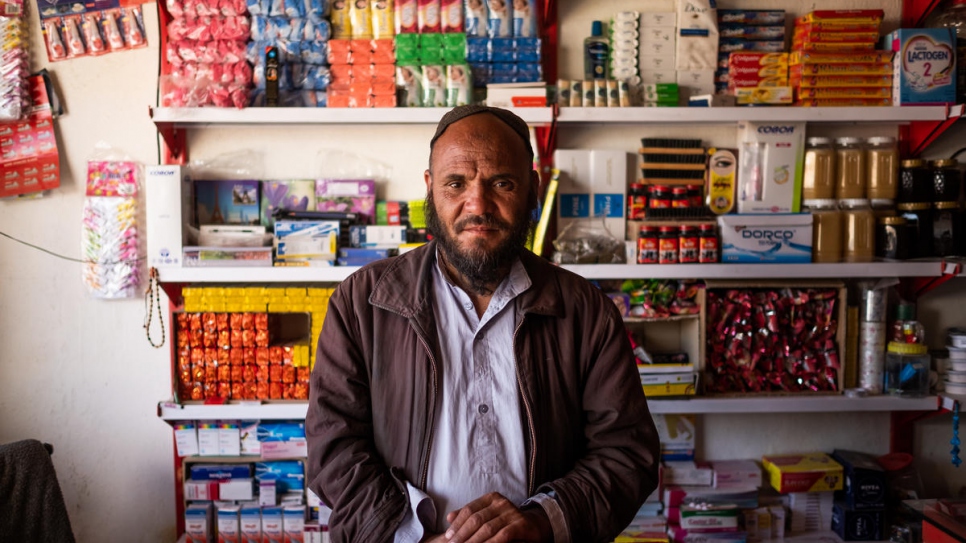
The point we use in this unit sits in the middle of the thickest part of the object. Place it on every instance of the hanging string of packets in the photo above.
(110, 234)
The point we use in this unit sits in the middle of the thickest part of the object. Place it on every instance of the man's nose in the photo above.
(478, 199)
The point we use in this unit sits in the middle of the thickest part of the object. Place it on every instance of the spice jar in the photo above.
(636, 201)
(850, 169)
(892, 238)
(668, 245)
(689, 245)
(919, 220)
(659, 197)
(946, 180)
(648, 245)
(915, 182)
(858, 229)
(883, 168)
(695, 195)
(826, 230)
(679, 198)
(946, 233)
(818, 180)
(708, 250)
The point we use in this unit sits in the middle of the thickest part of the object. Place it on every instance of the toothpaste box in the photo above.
(770, 171)
(229, 530)
(813, 472)
(198, 523)
(293, 522)
(768, 238)
(924, 69)
(273, 528)
(201, 472)
(250, 524)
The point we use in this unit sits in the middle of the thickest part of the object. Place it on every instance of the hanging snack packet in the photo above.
(500, 19)
(360, 20)
(55, 45)
(383, 25)
(476, 18)
(133, 27)
(406, 19)
(451, 16)
(341, 26)
(409, 79)
(110, 30)
(72, 36)
(524, 18)
(459, 85)
(434, 83)
(427, 16)
(91, 28)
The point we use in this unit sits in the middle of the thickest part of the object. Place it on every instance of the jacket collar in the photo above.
(406, 286)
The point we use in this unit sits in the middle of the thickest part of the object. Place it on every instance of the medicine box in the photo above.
(749, 239)
(250, 521)
(227, 202)
(610, 175)
(732, 473)
(220, 472)
(236, 489)
(770, 171)
(687, 472)
(167, 208)
(704, 517)
(293, 522)
(865, 481)
(924, 68)
(812, 472)
(229, 530)
(273, 530)
(198, 523)
(676, 434)
(377, 236)
(306, 240)
(852, 525)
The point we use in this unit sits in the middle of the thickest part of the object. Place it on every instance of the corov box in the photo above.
(770, 169)
(167, 209)
(785, 238)
(924, 68)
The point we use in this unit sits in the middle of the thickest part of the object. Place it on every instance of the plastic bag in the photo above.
(588, 241)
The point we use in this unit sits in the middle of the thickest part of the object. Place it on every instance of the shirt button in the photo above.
(484, 408)
(468, 306)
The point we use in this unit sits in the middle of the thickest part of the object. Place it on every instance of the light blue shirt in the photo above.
(478, 440)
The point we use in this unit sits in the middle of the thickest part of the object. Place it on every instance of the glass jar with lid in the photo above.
(946, 180)
(818, 180)
(915, 182)
(919, 220)
(826, 229)
(850, 169)
(907, 369)
(892, 238)
(946, 225)
(883, 168)
(858, 230)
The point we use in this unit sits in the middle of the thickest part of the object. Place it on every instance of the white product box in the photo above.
(236, 489)
(687, 472)
(573, 192)
(267, 493)
(198, 523)
(656, 34)
(662, 19)
(657, 62)
(377, 236)
(293, 523)
(274, 450)
(200, 490)
(248, 438)
(312, 499)
(785, 238)
(677, 433)
(810, 511)
(306, 239)
(229, 441)
(186, 439)
(251, 523)
(704, 517)
(609, 178)
(229, 529)
(502, 94)
(695, 82)
(208, 439)
(770, 167)
(272, 528)
(742, 473)
(167, 208)
(778, 516)
(657, 48)
(653, 77)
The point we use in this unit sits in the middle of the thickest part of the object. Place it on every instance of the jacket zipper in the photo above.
(526, 404)
(432, 412)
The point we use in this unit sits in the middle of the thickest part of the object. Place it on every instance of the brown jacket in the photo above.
(589, 436)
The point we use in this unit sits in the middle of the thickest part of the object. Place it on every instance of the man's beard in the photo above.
(479, 266)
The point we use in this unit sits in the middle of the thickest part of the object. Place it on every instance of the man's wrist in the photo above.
(538, 518)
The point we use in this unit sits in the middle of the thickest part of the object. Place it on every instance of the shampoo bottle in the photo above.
(596, 51)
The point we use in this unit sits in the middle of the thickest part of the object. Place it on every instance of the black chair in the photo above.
(31, 504)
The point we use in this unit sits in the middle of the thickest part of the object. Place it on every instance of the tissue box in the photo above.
(730, 473)
(784, 238)
(814, 472)
(347, 195)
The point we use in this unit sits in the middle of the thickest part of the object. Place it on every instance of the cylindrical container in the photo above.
(858, 229)
(648, 245)
(708, 244)
(919, 222)
(915, 182)
(689, 245)
(826, 230)
(679, 198)
(907, 370)
(946, 180)
(874, 306)
(946, 229)
(882, 207)
(636, 201)
(818, 181)
(659, 197)
(695, 195)
(668, 245)
(872, 342)
(850, 169)
(883, 168)
(892, 238)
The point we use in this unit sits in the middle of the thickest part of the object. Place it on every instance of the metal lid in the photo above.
(820, 203)
(882, 202)
(689, 228)
(946, 205)
(913, 163)
(848, 141)
(709, 227)
(907, 348)
(853, 203)
(881, 140)
(668, 229)
(945, 163)
(679, 190)
(638, 186)
(648, 229)
(919, 206)
(818, 141)
(892, 220)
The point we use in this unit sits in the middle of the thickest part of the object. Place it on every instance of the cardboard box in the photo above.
(306, 240)
(924, 70)
(810, 511)
(770, 171)
(250, 521)
(229, 529)
(676, 434)
(852, 525)
(347, 195)
(377, 236)
(200, 490)
(167, 207)
(236, 489)
(699, 518)
(227, 202)
(219, 472)
(812, 472)
(610, 175)
(732, 473)
(273, 528)
(659, 19)
(785, 238)
(198, 523)
(687, 472)
(293, 523)
(865, 484)
(653, 77)
(207, 439)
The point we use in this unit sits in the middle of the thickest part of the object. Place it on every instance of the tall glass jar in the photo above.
(850, 169)
(818, 181)
(858, 230)
(883, 168)
(919, 220)
(915, 182)
(826, 230)
(946, 225)
(946, 180)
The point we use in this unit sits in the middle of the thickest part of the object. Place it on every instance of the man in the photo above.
(469, 391)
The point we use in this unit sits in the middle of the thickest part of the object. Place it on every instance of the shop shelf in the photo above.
(171, 412)
(200, 116)
(721, 115)
(256, 275)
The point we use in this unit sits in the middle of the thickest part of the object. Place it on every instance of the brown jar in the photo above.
(826, 230)
(818, 180)
(883, 168)
(858, 228)
(850, 169)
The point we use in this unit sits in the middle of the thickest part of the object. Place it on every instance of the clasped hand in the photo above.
(495, 519)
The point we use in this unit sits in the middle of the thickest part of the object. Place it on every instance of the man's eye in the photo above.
(503, 185)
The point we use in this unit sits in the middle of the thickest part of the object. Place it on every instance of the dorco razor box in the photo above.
(812, 472)
(767, 238)
(770, 168)
(924, 68)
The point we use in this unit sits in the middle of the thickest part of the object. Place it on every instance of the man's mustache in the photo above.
(486, 221)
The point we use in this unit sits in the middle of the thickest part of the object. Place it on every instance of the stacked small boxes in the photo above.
(747, 31)
(696, 48)
(624, 45)
(224, 347)
(362, 73)
(658, 54)
(758, 78)
(859, 510)
(299, 32)
(431, 69)
(834, 61)
(502, 44)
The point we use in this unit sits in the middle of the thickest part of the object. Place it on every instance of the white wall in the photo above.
(78, 372)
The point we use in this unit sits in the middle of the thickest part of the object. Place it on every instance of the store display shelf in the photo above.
(172, 412)
(670, 318)
(704, 115)
(189, 116)
(256, 275)
(762, 271)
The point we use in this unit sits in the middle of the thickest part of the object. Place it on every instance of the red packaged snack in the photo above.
(237, 340)
(262, 374)
(248, 321)
(248, 355)
(184, 376)
(261, 338)
(224, 357)
(236, 356)
(275, 374)
(184, 320)
(275, 391)
(224, 339)
(288, 374)
(221, 321)
(71, 28)
(184, 361)
(275, 355)
(250, 373)
(184, 391)
(235, 321)
(261, 356)
(261, 321)
(198, 356)
(211, 374)
(237, 374)
(302, 375)
(238, 391)
(301, 391)
(132, 27)
(288, 352)
(249, 390)
(261, 391)
(248, 338)
(194, 321)
(197, 391)
(183, 338)
(211, 357)
(288, 392)
(208, 321)
(224, 373)
(196, 339)
(209, 337)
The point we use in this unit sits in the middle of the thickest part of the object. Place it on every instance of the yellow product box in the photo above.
(764, 95)
(844, 92)
(881, 69)
(669, 389)
(812, 472)
(844, 102)
(641, 537)
(278, 308)
(234, 292)
(855, 57)
(295, 291)
(844, 16)
(833, 47)
(844, 81)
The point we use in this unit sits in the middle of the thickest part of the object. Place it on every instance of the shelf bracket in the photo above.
(902, 429)
(919, 286)
(914, 12)
(174, 149)
(919, 135)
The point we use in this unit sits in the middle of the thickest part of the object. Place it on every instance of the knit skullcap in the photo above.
(508, 117)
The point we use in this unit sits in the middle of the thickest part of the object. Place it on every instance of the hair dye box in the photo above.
(924, 68)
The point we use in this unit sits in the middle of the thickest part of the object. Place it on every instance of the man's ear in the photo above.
(428, 177)
(534, 189)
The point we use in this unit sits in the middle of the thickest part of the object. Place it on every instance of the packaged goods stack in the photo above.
(696, 47)
(205, 54)
(658, 60)
(625, 39)
(752, 63)
(858, 513)
(431, 53)
(610, 67)
(362, 55)
(502, 44)
(834, 61)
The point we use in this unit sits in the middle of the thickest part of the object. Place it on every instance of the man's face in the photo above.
(480, 191)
